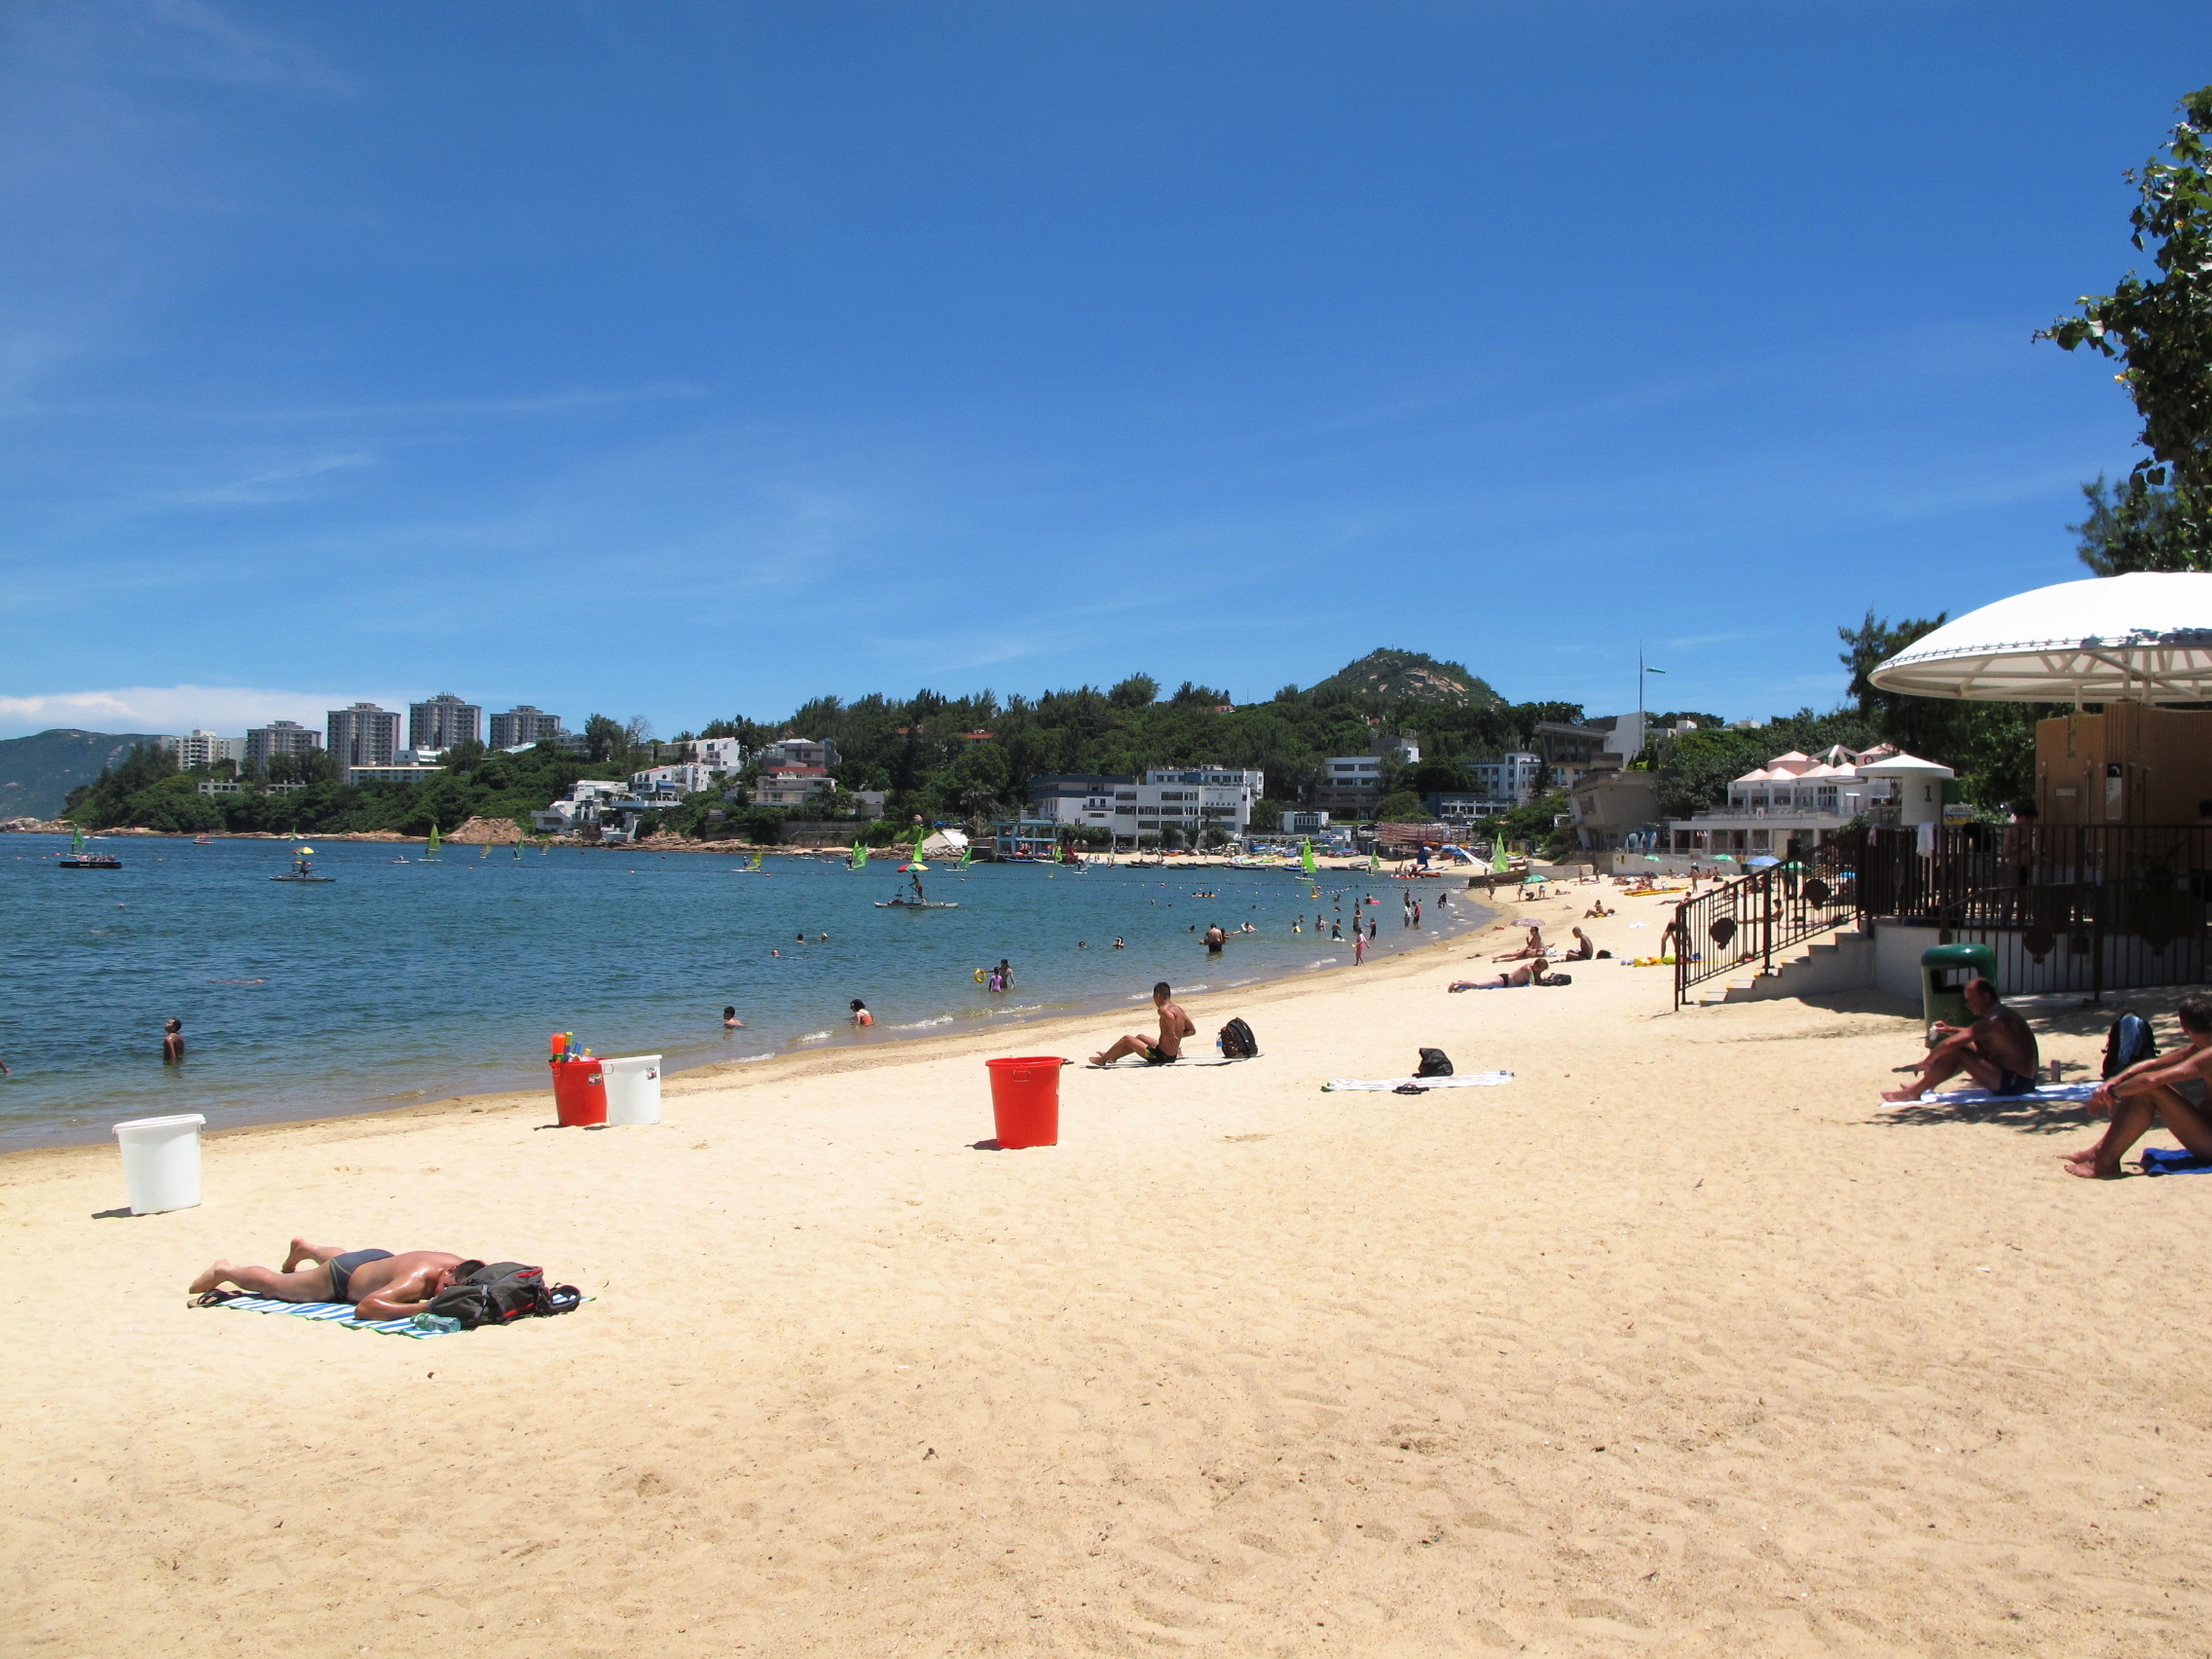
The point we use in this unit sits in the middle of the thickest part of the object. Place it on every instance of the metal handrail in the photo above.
(1763, 912)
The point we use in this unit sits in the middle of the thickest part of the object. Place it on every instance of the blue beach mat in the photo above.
(421, 1325)
(2173, 1160)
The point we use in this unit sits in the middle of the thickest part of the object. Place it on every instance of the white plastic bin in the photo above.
(633, 1088)
(160, 1161)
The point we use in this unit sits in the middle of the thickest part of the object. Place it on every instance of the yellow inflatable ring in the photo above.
(982, 976)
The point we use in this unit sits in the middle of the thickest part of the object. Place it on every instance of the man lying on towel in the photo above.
(1997, 1050)
(1174, 1026)
(379, 1284)
(2144, 1094)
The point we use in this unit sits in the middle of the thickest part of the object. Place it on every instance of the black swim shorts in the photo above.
(1160, 1057)
(341, 1271)
(2012, 1083)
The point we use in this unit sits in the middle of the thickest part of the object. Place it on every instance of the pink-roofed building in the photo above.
(1796, 802)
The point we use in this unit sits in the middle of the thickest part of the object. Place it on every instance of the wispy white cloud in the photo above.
(226, 709)
(280, 484)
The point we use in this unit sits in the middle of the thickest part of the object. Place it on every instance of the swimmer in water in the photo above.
(860, 1014)
(1120, 943)
(731, 1021)
(822, 938)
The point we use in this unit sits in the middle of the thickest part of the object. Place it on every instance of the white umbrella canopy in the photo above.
(2143, 638)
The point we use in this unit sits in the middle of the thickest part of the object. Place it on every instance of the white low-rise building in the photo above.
(1796, 802)
(790, 785)
(1187, 799)
(685, 777)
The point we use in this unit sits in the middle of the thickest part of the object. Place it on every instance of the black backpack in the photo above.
(2129, 1042)
(1434, 1062)
(498, 1293)
(1237, 1042)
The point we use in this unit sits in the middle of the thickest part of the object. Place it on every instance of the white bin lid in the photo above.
(183, 1120)
(628, 1061)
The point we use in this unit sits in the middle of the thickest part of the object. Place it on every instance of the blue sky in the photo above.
(679, 359)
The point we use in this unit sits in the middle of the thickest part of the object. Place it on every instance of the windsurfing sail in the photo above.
(1306, 860)
(1374, 863)
(76, 839)
(860, 855)
(758, 859)
(1501, 860)
(433, 852)
(967, 857)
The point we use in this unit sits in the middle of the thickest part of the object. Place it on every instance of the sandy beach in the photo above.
(1679, 1344)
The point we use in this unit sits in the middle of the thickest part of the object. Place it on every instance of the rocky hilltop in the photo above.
(1411, 677)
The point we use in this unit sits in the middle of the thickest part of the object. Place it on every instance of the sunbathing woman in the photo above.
(1534, 947)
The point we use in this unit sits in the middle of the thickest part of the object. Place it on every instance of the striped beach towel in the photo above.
(420, 1326)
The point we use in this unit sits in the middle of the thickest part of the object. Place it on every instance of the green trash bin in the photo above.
(1944, 973)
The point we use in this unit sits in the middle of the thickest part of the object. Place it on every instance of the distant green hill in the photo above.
(38, 772)
(1412, 677)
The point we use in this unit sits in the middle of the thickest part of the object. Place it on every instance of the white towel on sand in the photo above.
(2061, 1091)
(1384, 1085)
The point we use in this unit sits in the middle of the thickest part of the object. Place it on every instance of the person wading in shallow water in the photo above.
(172, 1042)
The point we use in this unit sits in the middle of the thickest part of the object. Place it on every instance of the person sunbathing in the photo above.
(1584, 948)
(1535, 947)
(1997, 1050)
(379, 1284)
(2150, 1091)
(1598, 909)
(1534, 973)
(1174, 1026)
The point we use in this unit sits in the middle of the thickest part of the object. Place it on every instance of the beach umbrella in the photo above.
(2142, 637)
(1764, 861)
(1532, 880)
(306, 852)
(1723, 858)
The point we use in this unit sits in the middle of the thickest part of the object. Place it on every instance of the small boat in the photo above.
(918, 900)
(199, 840)
(76, 858)
(302, 870)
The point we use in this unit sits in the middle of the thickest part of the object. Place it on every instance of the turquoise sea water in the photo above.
(410, 981)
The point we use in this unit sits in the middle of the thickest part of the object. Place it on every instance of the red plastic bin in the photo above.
(1025, 1100)
(580, 1094)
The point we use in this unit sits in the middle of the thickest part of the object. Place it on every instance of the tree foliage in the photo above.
(2161, 329)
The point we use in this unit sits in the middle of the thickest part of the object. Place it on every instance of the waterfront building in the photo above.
(443, 722)
(1795, 802)
(362, 734)
(200, 747)
(399, 773)
(263, 744)
(523, 726)
(686, 777)
(1189, 799)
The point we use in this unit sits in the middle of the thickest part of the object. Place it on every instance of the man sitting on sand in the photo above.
(379, 1284)
(1997, 1050)
(1174, 1026)
(2144, 1094)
